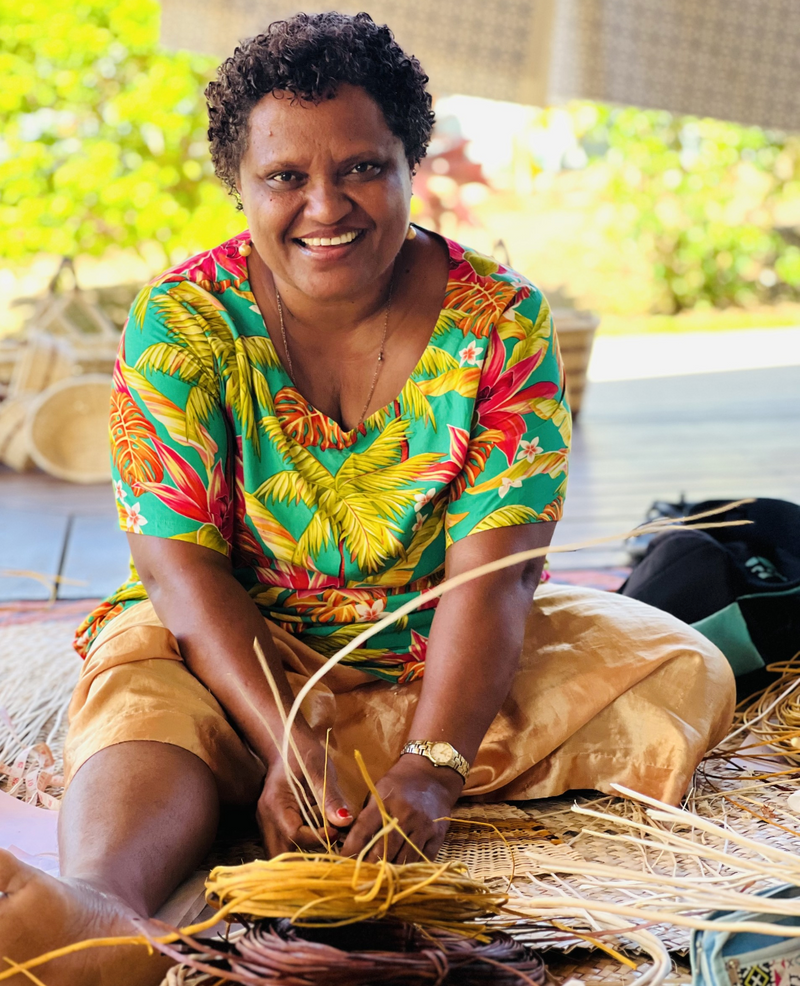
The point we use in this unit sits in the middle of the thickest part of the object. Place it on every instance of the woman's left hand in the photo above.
(420, 796)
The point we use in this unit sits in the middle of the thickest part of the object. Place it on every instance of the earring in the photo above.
(411, 234)
(244, 249)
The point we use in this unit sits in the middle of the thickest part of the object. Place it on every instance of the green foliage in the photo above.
(103, 144)
(102, 134)
(704, 198)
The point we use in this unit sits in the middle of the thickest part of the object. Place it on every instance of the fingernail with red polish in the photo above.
(343, 813)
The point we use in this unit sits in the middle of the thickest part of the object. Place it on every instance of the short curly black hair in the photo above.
(309, 55)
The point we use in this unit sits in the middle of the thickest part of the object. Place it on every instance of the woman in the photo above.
(310, 425)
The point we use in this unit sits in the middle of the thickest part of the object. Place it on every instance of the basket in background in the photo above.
(66, 429)
(13, 440)
(43, 361)
(576, 331)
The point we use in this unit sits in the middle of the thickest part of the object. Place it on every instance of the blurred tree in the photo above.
(705, 199)
(102, 135)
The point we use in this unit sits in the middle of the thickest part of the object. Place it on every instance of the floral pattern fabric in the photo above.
(328, 529)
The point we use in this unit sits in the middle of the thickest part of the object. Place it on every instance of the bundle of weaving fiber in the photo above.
(320, 888)
(276, 953)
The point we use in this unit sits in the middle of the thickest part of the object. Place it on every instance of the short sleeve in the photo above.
(516, 461)
(169, 438)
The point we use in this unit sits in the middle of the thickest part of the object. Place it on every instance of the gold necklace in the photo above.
(378, 364)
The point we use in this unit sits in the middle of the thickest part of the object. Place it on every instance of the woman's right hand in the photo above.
(283, 828)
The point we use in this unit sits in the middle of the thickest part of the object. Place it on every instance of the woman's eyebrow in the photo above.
(368, 153)
(275, 166)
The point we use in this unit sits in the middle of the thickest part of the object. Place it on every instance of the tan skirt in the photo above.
(608, 691)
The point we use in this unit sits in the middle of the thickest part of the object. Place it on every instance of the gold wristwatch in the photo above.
(440, 754)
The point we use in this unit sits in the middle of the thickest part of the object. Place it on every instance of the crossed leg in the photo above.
(137, 818)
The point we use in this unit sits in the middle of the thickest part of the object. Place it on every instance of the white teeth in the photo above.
(330, 241)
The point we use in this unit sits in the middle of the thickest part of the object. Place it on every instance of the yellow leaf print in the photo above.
(508, 516)
(480, 264)
(548, 463)
(552, 410)
(276, 538)
(536, 336)
(205, 343)
(435, 361)
(510, 328)
(208, 536)
(416, 403)
(463, 381)
(400, 572)
(327, 644)
(359, 505)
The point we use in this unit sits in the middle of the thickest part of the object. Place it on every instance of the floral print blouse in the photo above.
(328, 529)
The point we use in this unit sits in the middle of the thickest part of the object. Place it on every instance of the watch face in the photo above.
(441, 753)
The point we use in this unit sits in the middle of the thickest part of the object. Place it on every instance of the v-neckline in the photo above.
(386, 408)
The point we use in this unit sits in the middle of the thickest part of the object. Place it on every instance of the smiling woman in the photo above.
(312, 424)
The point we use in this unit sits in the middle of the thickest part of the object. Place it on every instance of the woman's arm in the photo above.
(473, 654)
(215, 623)
(476, 638)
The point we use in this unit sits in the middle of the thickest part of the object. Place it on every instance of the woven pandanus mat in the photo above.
(39, 670)
(495, 840)
(749, 798)
(589, 966)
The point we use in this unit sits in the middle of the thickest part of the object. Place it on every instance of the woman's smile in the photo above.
(330, 244)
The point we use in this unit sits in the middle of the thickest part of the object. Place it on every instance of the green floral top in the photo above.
(329, 529)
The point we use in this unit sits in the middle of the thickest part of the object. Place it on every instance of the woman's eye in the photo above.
(365, 168)
(284, 177)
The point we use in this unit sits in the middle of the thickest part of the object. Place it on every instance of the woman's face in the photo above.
(314, 173)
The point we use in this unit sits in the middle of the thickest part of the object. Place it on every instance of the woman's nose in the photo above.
(326, 203)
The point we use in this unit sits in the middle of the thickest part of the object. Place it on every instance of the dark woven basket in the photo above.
(275, 953)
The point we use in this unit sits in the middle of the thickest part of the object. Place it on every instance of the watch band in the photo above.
(440, 754)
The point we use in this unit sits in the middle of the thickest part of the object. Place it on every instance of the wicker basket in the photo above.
(41, 363)
(10, 350)
(575, 336)
(67, 429)
(13, 439)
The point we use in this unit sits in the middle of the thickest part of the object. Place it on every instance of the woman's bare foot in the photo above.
(39, 913)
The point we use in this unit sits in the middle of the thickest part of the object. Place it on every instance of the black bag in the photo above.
(739, 586)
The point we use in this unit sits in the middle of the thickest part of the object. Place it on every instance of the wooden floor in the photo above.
(714, 435)
(707, 436)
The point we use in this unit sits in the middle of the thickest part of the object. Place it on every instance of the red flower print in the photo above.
(203, 267)
(504, 400)
(208, 503)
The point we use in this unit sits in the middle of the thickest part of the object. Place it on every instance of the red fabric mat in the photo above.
(72, 611)
(609, 579)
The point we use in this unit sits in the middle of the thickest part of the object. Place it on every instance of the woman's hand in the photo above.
(283, 827)
(420, 796)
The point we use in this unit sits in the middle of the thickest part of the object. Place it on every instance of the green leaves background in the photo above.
(102, 134)
(103, 144)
